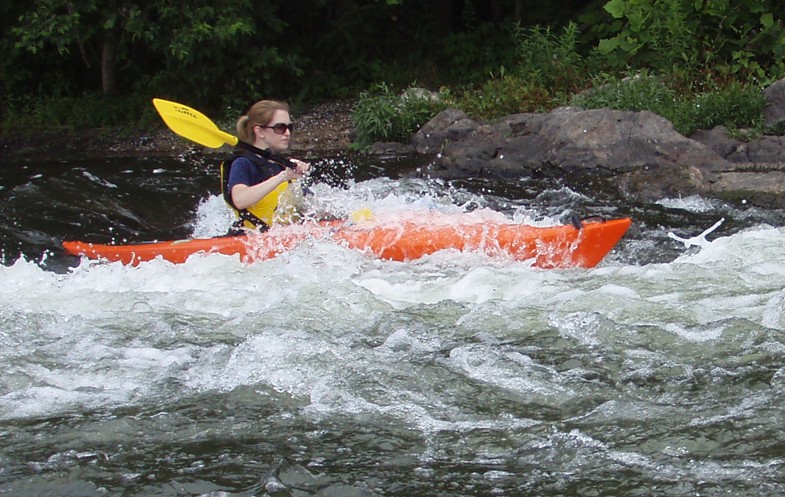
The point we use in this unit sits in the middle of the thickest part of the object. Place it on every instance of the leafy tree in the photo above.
(144, 37)
(96, 29)
(218, 55)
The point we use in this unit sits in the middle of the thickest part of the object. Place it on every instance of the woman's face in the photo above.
(276, 134)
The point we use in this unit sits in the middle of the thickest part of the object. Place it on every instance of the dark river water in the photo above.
(326, 372)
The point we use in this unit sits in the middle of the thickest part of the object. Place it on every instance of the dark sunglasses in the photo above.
(280, 128)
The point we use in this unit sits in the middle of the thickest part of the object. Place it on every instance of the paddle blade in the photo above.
(362, 215)
(192, 124)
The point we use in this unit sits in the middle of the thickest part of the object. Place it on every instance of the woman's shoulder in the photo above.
(243, 165)
(240, 159)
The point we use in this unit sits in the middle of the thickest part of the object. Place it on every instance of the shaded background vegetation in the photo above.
(84, 63)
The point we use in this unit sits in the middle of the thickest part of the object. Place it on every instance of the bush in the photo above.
(547, 70)
(551, 60)
(639, 92)
(384, 115)
(503, 95)
(734, 105)
(87, 111)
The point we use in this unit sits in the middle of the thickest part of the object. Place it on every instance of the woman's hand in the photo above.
(300, 170)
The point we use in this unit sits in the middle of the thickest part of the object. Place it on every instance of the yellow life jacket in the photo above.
(261, 215)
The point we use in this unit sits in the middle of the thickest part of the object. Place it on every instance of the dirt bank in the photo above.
(323, 129)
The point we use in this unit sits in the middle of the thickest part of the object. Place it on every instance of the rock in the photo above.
(757, 171)
(765, 150)
(632, 149)
(774, 108)
(718, 140)
(639, 153)
(390, 149)
(447, 126)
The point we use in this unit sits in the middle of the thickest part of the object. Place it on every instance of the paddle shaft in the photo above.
(265, 153)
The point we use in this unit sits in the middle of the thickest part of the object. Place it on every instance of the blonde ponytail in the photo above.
(243, 132)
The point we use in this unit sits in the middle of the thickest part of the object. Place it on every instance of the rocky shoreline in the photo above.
(637, 153)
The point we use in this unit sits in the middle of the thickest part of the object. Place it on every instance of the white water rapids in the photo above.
(328, 372)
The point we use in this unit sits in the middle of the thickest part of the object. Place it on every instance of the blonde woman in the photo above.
(255, 184)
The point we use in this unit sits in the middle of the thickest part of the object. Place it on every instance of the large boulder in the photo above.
(640, 153)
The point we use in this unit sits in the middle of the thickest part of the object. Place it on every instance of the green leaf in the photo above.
(767, 20)
(609, 45)
(616, 8)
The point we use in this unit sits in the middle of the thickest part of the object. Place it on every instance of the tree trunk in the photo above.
(442, 16)
(519, 10)
(497, 10)
(108, 66)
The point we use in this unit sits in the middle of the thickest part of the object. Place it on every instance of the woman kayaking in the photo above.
(258, 186)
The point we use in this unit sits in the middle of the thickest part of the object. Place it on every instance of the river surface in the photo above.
(326, 372)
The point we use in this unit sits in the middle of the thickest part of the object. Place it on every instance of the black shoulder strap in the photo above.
(258, 152)
(225, 168)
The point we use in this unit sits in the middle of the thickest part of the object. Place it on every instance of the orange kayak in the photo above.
(549, 247)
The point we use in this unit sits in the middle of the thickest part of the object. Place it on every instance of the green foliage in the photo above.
(635, 93)
(384, 115)
(59, 55)
(88, 111)
(52, 22)
(653, 33)
(736, 105)
(547, 69)
(505, 94)
(551, 60)
(474, 53)
(219, 56)
(742, 37)
(207, 28)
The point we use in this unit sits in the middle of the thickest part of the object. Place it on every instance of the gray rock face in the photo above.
(637, 152)
(774, 109)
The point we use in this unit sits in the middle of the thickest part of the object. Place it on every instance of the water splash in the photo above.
(699, 240)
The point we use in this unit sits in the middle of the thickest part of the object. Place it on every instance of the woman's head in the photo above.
(256, 126)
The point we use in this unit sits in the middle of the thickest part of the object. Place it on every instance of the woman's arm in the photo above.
(244, 196)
